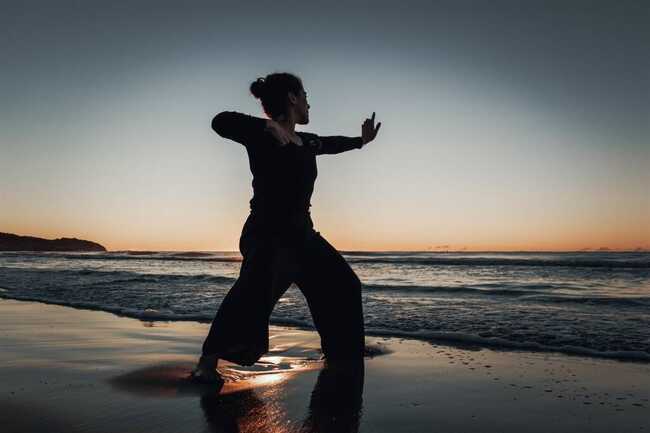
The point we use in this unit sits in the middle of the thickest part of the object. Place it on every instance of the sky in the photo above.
(506, 125)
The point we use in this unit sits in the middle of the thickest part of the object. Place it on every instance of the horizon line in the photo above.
(638, 250)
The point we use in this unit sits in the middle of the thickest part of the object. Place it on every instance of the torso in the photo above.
(283, 182)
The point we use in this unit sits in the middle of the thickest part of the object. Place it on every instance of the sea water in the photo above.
(589, 303)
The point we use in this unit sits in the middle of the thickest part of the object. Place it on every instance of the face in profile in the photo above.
(302, 108)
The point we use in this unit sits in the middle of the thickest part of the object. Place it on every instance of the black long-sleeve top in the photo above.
(283, 175)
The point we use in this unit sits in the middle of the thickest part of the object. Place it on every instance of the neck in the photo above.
(287, 122)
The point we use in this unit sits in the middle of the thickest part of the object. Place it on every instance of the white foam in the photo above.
(431, 336)
(496, 342)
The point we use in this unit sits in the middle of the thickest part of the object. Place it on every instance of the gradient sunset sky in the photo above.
(504, 127)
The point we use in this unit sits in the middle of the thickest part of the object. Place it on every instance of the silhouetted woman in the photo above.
(278, 242)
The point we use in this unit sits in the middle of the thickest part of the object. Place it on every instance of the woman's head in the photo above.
(282, 96)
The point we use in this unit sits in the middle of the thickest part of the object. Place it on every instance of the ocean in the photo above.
(587, 303)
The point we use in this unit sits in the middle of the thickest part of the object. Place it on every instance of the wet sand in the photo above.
(70, 370)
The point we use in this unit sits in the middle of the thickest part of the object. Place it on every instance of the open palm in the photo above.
(368, 129)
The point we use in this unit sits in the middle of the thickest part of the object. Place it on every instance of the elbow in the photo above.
(219, 122)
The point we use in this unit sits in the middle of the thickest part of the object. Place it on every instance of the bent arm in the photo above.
(337, 144)
(242, 128)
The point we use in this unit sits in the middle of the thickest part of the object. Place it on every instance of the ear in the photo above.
(292, 97)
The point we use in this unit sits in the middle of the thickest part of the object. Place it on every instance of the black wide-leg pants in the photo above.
(240, 329)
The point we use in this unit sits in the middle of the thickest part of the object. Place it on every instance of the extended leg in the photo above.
(239, 332)
(333, 293)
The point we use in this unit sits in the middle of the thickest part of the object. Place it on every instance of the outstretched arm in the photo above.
(337, 143)
(239, 127)
(333, 144)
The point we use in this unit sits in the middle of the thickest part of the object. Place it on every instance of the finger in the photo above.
(377, 128)
(372, 119)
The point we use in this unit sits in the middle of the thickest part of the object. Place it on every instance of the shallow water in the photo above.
(586, 303)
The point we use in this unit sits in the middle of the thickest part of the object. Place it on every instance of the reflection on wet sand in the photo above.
(335, 406)
(245, 411)
(336, 401)
(253, 401)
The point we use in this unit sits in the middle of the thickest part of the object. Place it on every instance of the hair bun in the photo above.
(258, 87)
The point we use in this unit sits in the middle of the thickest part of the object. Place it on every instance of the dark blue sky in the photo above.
(541, 106)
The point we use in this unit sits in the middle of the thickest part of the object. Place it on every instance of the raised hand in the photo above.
(368, 130)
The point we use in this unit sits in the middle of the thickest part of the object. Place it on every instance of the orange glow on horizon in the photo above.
(458, 238)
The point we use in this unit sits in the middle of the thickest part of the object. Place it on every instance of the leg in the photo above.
(333, 293)
(239, 331)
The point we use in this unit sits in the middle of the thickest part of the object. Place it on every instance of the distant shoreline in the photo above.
(10, 242)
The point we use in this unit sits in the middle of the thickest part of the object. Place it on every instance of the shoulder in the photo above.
(310, 139)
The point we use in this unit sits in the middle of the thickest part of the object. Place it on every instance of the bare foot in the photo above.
(206, 371)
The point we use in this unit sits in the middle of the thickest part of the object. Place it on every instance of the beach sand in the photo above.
(70, 370)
